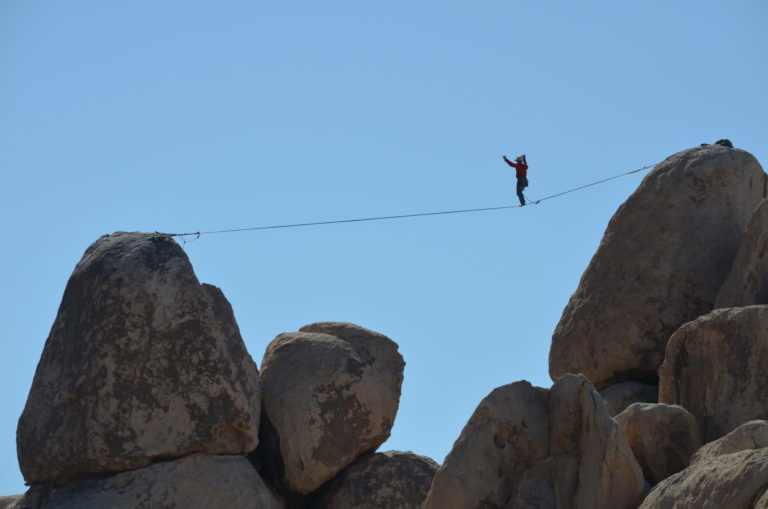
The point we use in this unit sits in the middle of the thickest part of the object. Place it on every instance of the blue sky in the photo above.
(188, 115)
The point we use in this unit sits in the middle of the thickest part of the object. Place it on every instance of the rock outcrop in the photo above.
(715, 368)
(731, 481)
(198, 481)
(506, 437)
(665, 255)
(530, 447)
(11, 502)
(747, 283)
(146, 397)
(663, 437)
(388, 480)
(618, 397)
(142, 363)
(750, 435)
(331, 393)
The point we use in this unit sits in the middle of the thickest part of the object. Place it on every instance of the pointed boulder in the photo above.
(142, 363)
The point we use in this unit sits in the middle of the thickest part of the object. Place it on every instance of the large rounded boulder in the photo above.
(331, 392)
(661, 263)
(715, 368)
(142, 363)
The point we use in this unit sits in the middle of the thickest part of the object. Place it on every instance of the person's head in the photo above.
(519, 159)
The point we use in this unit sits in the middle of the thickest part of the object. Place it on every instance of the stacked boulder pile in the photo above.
(670, 323)
(145, 395)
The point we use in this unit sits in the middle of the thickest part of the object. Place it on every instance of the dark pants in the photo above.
(522, 183)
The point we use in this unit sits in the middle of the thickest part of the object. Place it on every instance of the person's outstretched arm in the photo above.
(514, 165)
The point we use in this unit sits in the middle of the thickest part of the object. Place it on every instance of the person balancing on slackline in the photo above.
(521, 171)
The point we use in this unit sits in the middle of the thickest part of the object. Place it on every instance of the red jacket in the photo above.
(521, 169)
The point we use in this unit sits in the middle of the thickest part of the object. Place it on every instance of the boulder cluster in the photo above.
(145, 395)
(670, 323)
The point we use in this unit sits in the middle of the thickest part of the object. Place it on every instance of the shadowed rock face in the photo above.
(198, 481)
(731, 481)
(661, 263)
(663, 437)
(142, 363)
(530, 447)
(618, 397)
(388, 480)
(715, 368)
(331, 393)
(747, 283)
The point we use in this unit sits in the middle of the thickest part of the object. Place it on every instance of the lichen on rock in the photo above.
(331, 393)
(142, 363)
(663, 258)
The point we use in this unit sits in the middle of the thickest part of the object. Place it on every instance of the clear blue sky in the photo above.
(188, 115)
